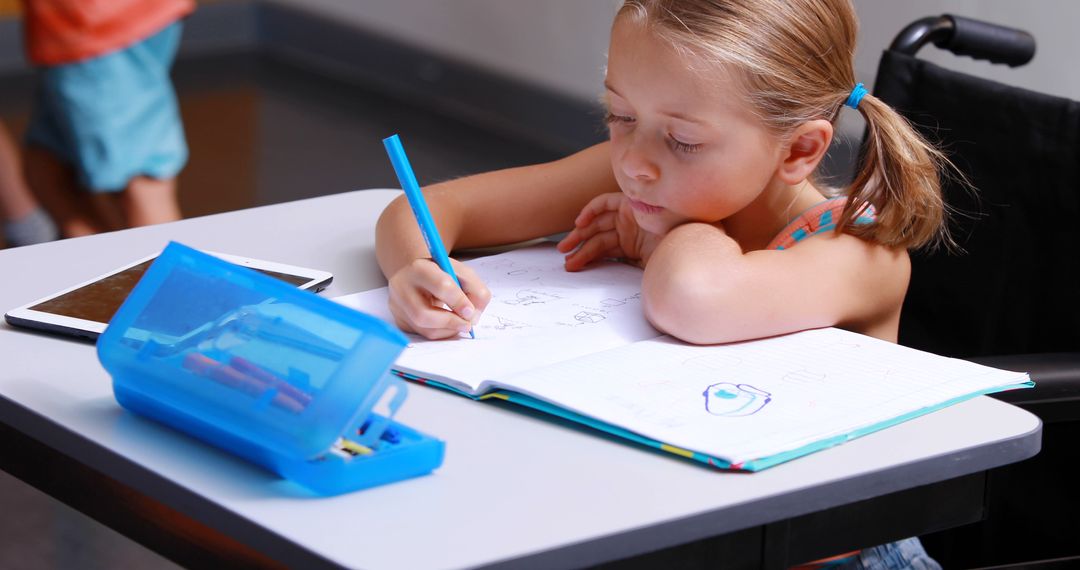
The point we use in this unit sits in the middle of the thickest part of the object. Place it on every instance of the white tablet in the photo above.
(85, 309)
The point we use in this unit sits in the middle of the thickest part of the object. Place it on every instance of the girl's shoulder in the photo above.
(859, 283)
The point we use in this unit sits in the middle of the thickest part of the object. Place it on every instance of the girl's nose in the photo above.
(636, 162)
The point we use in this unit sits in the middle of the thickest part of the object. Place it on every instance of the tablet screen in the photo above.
(99, 301)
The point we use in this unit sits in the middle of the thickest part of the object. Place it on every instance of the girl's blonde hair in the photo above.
(794, 59)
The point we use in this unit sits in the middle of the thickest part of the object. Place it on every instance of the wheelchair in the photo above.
(1008, 297)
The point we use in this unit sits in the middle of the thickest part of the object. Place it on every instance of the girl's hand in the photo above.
(606, 228)
(420, 290)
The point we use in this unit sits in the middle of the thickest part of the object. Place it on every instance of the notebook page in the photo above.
(755, 399)
(539, 314)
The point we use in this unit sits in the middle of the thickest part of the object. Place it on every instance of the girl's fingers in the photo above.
(475, 289)
(443, 290)
(601, 245)
(569, 242)
(417, 296)
(428, 312)
(602, 222)
(602, 203)
(598, 215)
(424, 318)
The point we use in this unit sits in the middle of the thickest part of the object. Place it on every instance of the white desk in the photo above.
(515, 488)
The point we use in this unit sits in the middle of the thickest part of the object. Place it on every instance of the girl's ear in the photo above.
(806, 149)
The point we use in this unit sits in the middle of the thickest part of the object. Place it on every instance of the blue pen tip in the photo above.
(472, 334)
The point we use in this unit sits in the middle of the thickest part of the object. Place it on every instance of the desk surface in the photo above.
(514, 487)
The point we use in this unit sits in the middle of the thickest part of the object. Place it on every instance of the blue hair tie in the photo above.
(856, 96)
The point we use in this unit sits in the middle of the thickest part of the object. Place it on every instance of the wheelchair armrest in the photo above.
(1056, 396)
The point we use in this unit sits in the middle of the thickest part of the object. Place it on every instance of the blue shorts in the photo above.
(113, 117)
(907, 554)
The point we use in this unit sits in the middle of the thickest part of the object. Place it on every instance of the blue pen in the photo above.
(419, 207)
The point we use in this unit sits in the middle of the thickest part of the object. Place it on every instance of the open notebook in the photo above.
(577, 345)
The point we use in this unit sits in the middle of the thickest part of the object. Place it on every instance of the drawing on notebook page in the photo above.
(520, 273)
(560, 308)
(590, 314)
(532, 297)
(734, 400)
(503, 323)
(533, 294)
(588, 317)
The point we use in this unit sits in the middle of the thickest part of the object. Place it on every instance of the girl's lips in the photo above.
(644, 208)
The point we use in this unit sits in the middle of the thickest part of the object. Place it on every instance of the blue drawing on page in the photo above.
(734, 400)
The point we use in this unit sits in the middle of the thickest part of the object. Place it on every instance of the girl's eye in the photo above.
(611, 118)
(683, 147)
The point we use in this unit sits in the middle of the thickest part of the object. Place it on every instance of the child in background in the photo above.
(105, 141)
(23, 220)
(719, 114)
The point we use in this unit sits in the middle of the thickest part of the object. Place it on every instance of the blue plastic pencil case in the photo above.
(277, 375)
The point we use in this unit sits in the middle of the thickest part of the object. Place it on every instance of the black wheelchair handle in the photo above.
(983, 40)
(965, 36)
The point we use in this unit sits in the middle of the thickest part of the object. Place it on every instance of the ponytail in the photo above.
(899, 175)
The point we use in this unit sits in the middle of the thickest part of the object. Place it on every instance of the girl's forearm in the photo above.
(498, 207)
(690, 280)
(397, 237)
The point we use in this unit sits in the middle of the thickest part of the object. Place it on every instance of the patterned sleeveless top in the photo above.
(818, 219)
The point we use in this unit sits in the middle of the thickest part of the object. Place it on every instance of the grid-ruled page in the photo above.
(755, 399)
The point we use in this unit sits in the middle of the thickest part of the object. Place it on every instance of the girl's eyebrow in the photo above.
(672, 114)
(684, 117)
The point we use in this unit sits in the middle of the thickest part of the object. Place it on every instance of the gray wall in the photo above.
(562, 44)
(558, 44)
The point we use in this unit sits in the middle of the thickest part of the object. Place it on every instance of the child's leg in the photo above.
(52, 161)
(54, 184)
(22, 219)
(148, 201)
(15, 199)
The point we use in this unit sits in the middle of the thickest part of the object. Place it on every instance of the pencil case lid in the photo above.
(246, 361)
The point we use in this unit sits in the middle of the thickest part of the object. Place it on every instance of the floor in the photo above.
(260, 132)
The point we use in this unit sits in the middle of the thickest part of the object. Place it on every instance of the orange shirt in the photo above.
(66, 31)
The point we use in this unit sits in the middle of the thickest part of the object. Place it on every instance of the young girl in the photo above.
(719, 114)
